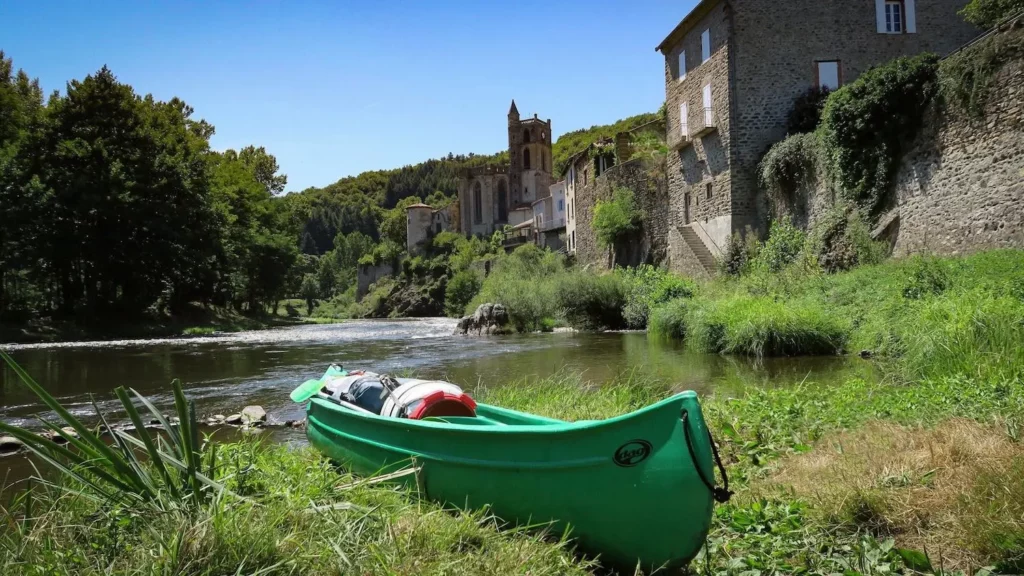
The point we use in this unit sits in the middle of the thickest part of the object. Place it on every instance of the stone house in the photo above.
(424, 222)
(549, 218)
(492, 197)
(733, 69)
(581, 173)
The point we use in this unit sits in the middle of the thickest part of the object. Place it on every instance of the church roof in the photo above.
(419, 205)
(513, 109)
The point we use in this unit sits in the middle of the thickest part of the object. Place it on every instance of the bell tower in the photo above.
(529, 155)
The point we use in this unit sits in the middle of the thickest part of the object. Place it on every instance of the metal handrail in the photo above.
(717, 247)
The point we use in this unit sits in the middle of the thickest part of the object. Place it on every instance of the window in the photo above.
(828, 74)
(706, 101)
(561, 205)
(681, 73)
(708, 189)
(526, 136)
(684, 118)
(543, 163)
(478, 205)
(585, 176)
(705, 46)
(526, 158)
(896, 16)
(437, 228)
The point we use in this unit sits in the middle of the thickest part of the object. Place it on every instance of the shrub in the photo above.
(460, 291)
(524, 281)
(928, 277)
(616, 218)
(668, 320)
(647, 287)
(806, 112)
(841, 240)
(782, 247)
(758, 326)
(788, 165)
(738, 253)
(591, 302)
(865, 124)
(965, 77)
(988, 13)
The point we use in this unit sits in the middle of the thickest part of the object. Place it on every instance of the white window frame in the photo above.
(684, 119)
(908, 17)
(705, 46)
(682, 66)
(708, 102)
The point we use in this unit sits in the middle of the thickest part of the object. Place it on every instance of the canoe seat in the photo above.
(466, 420)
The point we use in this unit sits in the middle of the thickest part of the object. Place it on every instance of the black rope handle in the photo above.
(722, 493)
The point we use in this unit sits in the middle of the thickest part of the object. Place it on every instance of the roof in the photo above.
(513, 109)
(527, 224)
(419, 205)
(522, 206)
(698, 12)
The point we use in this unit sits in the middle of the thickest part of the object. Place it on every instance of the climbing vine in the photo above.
(965, 77)
(866, 124)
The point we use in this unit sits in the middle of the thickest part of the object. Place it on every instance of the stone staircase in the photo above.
(699, 249)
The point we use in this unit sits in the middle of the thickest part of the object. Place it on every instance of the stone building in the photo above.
(733, 69)
(424, 222)
(492, 197)
(581, 175)
(549, 218)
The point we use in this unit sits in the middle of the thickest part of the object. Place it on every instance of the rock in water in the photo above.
(488, 319)
(253, 414)
(234, 419)
(9, 445)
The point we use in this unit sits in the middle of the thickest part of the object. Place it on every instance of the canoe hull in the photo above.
(626, 487)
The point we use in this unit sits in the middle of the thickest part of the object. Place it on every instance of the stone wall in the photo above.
(961, 188)
(770, 74)
(646, 178)
(697, 163)
(367, 274)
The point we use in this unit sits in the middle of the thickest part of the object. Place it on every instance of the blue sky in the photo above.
(336, 88)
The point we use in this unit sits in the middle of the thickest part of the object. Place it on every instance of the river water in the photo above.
(224, 373)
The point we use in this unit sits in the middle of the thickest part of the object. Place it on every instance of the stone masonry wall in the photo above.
(775, 50)
(694, 164)
(961, 188)
(646, 178)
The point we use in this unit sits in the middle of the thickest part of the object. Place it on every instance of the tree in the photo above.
(616, 218)
(394, 225)
(264, 168)
(309, 291)
(988, 13)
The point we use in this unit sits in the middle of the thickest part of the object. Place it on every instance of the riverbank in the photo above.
(197, 322)
(869, 477)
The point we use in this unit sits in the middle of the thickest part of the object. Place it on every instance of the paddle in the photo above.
(309, 388)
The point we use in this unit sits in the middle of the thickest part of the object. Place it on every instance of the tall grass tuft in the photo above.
(173, 475)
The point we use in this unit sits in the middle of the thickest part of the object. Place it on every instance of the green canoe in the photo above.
(632, 489)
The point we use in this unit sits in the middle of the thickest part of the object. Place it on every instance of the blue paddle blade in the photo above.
(306, 390)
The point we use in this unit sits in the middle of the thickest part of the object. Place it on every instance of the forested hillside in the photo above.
(113, 203)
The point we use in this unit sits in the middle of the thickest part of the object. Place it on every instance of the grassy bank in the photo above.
(934, 315)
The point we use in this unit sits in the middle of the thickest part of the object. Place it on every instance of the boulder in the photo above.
(234, 419)
(9, 445)
(253, 414)
(219, 417)
(487, 319)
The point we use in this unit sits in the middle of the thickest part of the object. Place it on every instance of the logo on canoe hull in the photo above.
(632, 453)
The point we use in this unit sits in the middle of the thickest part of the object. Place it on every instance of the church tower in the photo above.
(529, 155)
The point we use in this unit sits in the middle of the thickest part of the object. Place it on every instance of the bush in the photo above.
(806, 113)
(648, 287)
(669, 320)
(591, 302)
(788, 165)
(988, 13)
(738, 253)
(524, 281)
(461, 289)
(966, 76)
(866, 123)
(616, 218)
(842, 240)
(784, 244)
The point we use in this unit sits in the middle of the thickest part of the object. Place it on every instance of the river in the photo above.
(224, 373)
